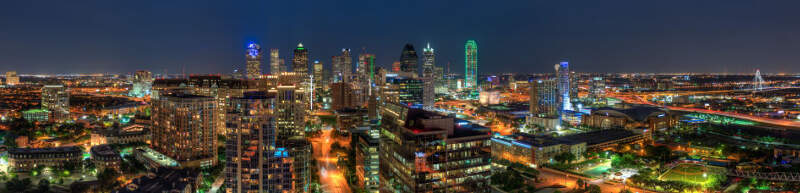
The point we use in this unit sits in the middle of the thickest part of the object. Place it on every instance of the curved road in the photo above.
(552, 177)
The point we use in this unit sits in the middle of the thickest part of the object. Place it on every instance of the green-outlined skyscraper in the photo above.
(471, 65)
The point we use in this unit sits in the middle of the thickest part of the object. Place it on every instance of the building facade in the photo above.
(422, 151)
(184, 129)
(543, 98)
(26, 159)
(55, 98)
(254, 160)
(290, 113)
(404, 90)
(367, 144)
(105, 157)
(343, 96)
(12, 78)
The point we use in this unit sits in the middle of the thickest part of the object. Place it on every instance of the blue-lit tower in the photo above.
(562, 71)
(253, 57)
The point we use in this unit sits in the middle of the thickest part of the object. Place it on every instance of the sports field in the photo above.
(692, 173)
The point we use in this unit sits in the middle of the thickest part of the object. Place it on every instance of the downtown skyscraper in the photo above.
(366, 67)
(317, 78)
(253, 57)
(543, 98)
(274, 61)
(300, 60)
(408, 60)
(365, 73)
(471, 65)
(342, 66)
(428, 77)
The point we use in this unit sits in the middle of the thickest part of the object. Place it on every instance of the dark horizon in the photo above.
(58, 37)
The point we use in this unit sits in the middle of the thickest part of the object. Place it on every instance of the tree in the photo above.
(108, 179)
(593, 189)
(660, 153)
(564, 157)
(581, 184)
(43, 186)
(624, 161)
(17, 185)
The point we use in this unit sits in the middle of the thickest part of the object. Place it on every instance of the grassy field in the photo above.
(692, 173)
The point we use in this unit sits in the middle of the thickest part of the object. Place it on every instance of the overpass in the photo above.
(771, 176)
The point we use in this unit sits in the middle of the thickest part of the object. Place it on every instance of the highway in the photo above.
(331, 178)
(778, 122)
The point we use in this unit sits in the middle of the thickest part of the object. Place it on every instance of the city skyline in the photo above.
(597, 37)
(334, 97)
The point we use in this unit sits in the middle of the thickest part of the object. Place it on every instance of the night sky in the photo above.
(40, 36)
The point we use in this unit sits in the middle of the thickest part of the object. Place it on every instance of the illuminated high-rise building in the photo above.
(367, 163)
(291, 111)
(408, 60)
(215, 86)
(184, 129)
(12, 78)
(336, 68)
(274, 61)
(422, 151)
(365, 73)
(342, 66)
(300, 60)
(471, 65)
(255, 161)
(343, 96)
(366, 68)
(439, 82)
(318, 78)
(253, 57)
(300, 67)
(597, 89)
(543, 98)
(55, 98)
(428, 77)
(403, 90)
(291, 107)
(347, 65)
(564, 86)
